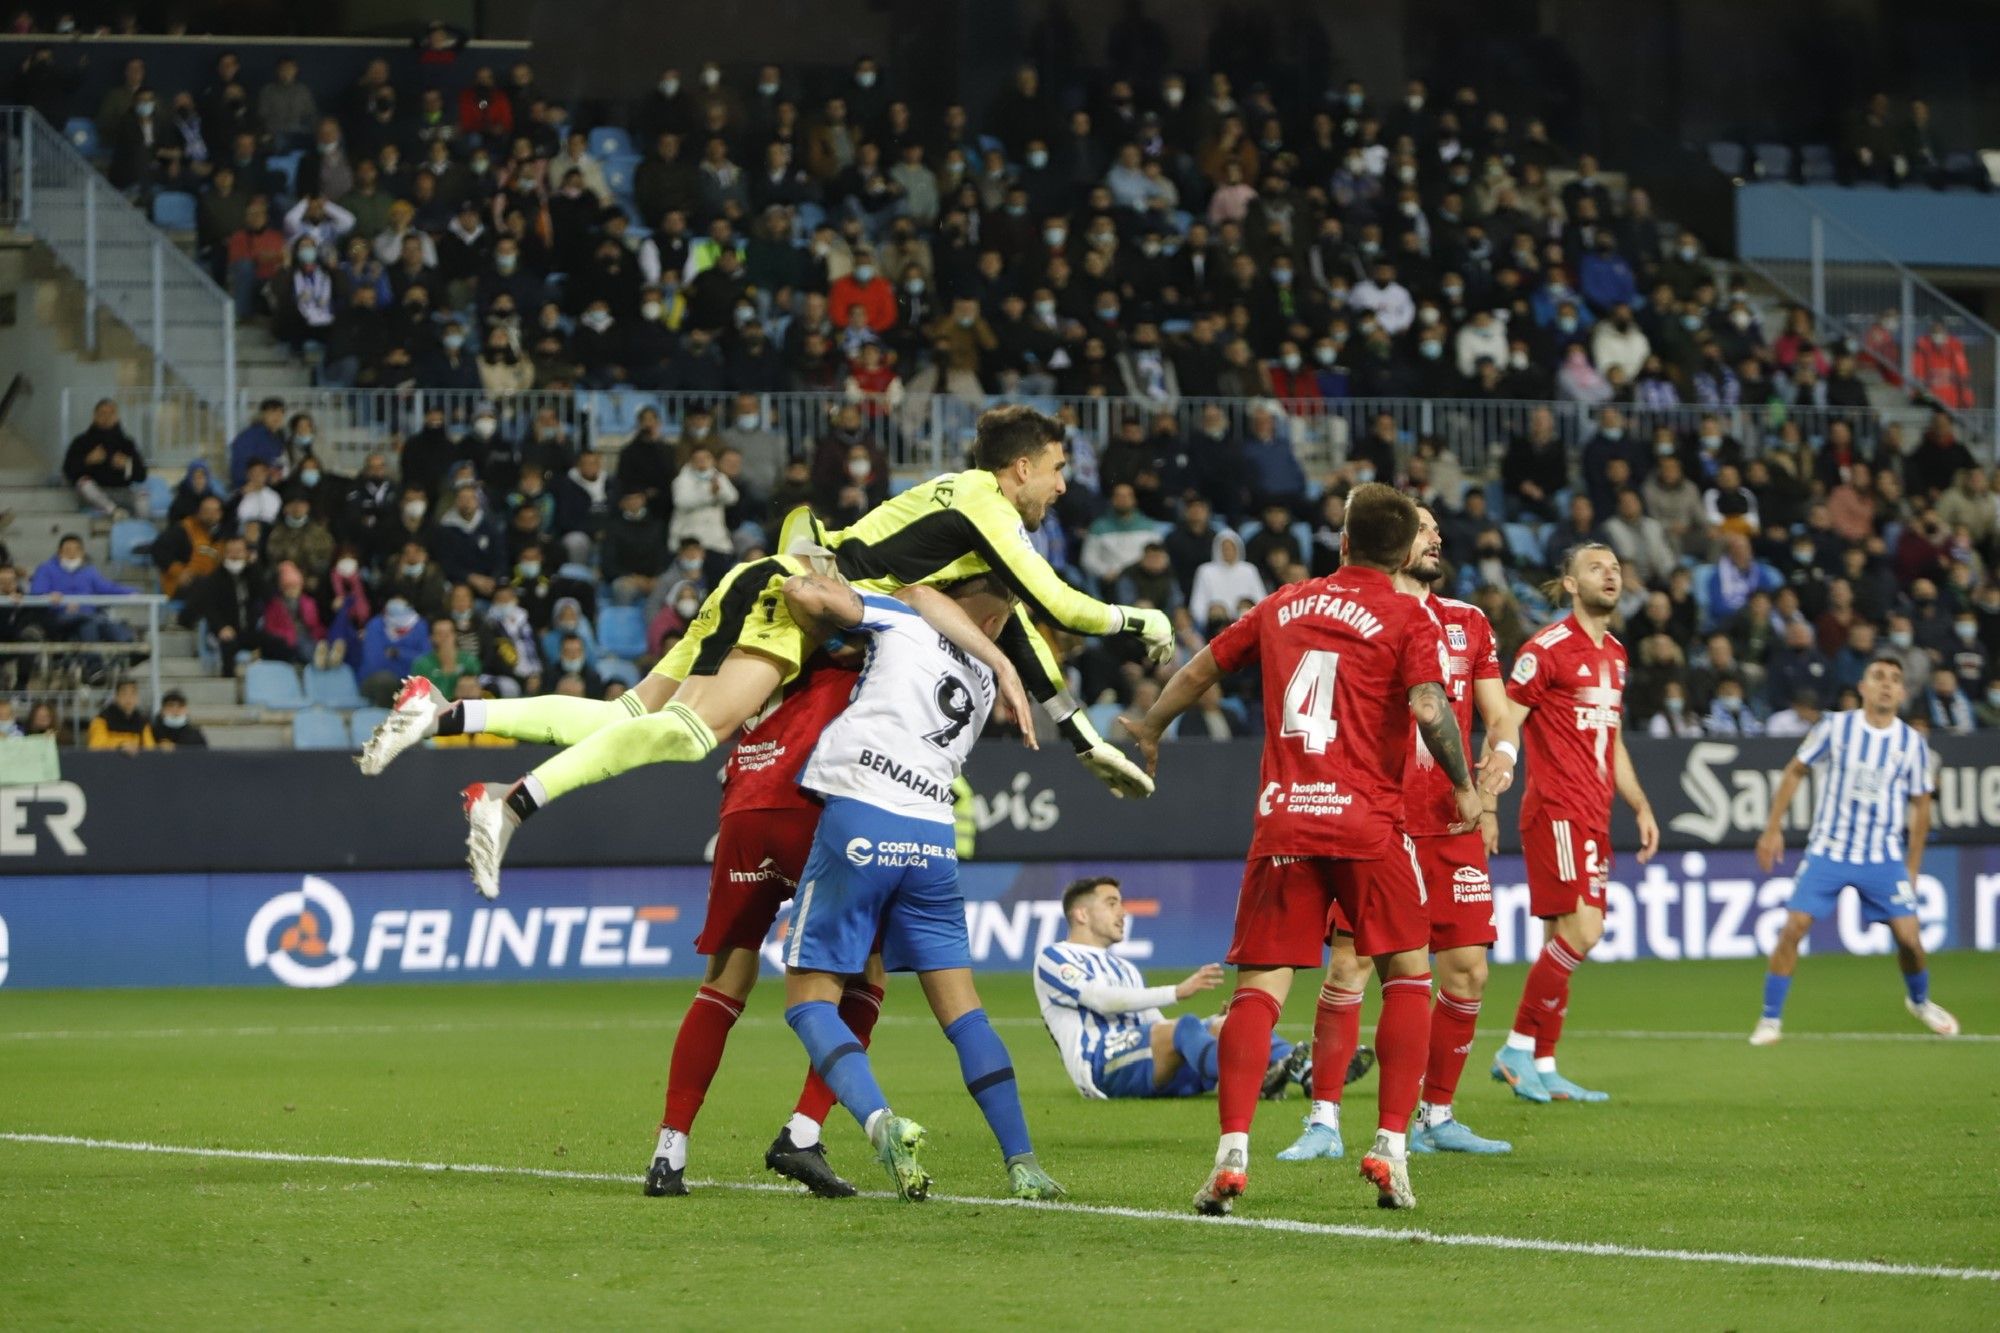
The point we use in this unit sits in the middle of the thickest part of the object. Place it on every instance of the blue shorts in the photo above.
(1129, 1072)
(875, 874)
(1884, 887)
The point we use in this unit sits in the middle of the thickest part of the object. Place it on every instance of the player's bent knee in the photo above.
(655, 691)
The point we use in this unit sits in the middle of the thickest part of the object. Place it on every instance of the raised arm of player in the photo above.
(1920, 831)
(949, 619)
(1771, 842)
(1635, 796)
(1438, 725)
(1188, 685)
(821, 605)
(1029, 652)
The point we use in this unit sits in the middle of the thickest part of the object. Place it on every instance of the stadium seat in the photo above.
(1727, 158)
(1816, 166)
(272, 685)
(159, 491)
(173, 210)
(621, 631)
(1525, 541)
(286, 165)
(618, 174)
(618, 669)
(333, 687)
(608, 141)
(616, 411)
(1774, 161)
(361, 724)
(81, 131)
(132, 540)
(319, 729)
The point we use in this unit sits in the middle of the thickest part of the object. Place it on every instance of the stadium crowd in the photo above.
(1154, 239)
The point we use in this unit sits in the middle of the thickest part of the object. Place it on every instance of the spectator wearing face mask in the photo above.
(192, 548)
(567, 620)
(173, 729)
(1949, 707)
(583, 505)
(224, 605)
(289, 630)
(634, 551)
(390, 647)
(469, 545)
(570, 670)
(702, 496)
(349, 607)
(1729, 713)
(415, 580)
(69, 573)
(302, 539)
(867, 288)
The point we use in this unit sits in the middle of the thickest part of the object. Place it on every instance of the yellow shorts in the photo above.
(746, 610)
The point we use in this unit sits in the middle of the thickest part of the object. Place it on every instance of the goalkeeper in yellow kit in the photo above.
(744, 646)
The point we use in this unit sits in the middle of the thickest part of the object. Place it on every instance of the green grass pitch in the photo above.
(1833, 1147)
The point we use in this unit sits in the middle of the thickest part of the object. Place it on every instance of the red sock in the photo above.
(1336, 1036)
(1243, 1053)
(1547, 990)
(697, 1055)
(1452, 1023)
(860, 1006)
(1401, 1036)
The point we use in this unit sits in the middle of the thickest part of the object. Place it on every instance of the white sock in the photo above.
(1434, 1113)
(803, 1129)
(1392, 1144)
(1325, 1113)
(673, 1146)
(1545, 1064)
(473, 713)
(536, 790)
(874, 1122)
(1517, 1042)
(1232, 1143)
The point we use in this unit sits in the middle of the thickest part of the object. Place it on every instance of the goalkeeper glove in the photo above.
(1153, 629)
(1115, 771)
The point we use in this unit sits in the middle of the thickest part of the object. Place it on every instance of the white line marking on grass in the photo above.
(1860, 1267)
(667, 1023)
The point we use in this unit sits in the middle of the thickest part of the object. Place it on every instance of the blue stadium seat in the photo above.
(1727, 158)
(1525, 541)
(286, 165)
(81, 131)
(1816, 165)
(1774, 161)
(608, 141)
(361, 724)
(129, 537)
(319, 729)
(621, 631)
(989, 144)
(619, 173)
(618, 669)
(160, 491)
(333, 687)
(616, 411)
(173, 210)
(272, 685)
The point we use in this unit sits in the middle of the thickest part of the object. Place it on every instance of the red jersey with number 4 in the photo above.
(1339, 656)
(1576, 690)
(1429, 808)
(763, 769)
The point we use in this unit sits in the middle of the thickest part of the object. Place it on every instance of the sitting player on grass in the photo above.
(1106, 1020)
(884, 861)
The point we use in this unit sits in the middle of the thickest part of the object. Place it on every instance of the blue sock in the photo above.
(1197, 1046)
(839, 1057)
(1918, 984)
(989, 1077)
(1280, 1048)
(1775, 990)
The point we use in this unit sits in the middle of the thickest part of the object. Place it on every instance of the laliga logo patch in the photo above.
(861, 852)
(1524, 669)
(310, 951)
(1071, 974)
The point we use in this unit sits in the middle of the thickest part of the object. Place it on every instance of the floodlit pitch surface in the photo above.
(262, 1158)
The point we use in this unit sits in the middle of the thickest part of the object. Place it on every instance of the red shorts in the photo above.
(1287, 908)
(759, 856)
(1459, 892)
(1568, 864)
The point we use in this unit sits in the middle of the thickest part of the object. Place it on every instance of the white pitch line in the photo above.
(668, 1023)
(1290, 1226)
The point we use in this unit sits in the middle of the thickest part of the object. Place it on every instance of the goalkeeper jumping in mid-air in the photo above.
(744, 645)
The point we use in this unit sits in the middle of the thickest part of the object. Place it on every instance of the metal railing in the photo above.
(129, 268)
(77, 701)
(1857, 290)
(926, 434)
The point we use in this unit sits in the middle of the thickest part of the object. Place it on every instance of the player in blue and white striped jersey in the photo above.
(1106, 1020)
(1867, 834)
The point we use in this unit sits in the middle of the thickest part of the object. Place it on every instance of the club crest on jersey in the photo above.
(1618, 669)
(1524, 669)
(1455, 636)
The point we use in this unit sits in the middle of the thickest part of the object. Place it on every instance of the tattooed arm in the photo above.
(1439, 728)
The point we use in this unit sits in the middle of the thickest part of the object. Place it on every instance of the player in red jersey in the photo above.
(1456, 883)
(760, 850)
(1567, 688)
(1347, 661)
